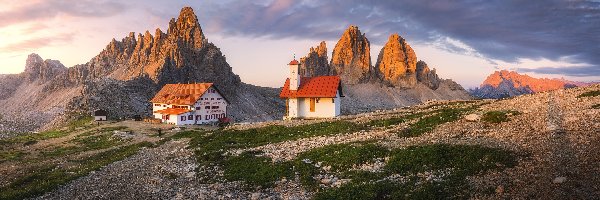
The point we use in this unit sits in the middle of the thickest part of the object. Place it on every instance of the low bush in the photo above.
(589, 94)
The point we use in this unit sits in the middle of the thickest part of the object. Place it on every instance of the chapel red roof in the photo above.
(172, 111)
(181, 94)
(294, 62)
(320, 86)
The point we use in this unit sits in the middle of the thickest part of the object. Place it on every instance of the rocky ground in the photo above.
(553, 135)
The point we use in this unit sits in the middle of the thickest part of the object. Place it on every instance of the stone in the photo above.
(255, 196)
(473, 117)
(559, 180)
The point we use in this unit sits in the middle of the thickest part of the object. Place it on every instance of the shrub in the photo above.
(589, 94)
(498, 116)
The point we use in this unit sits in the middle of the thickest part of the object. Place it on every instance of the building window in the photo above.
(206, 107)
(318, 100)
(197, 108)
(191, 117)
(164, 105)
(212, 98)
(156, 104)
(182, 118)
(219, 98)
(167, 117)
(198, 117)
(206, 117)
(332, 100)
(215, 107)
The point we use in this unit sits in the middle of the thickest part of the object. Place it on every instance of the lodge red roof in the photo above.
(181, 94)
(320, 86)
(294, 62)
(172, 111)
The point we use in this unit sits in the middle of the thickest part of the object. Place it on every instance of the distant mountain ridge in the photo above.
(504, 83)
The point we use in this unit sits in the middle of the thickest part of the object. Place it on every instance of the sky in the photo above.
(463, 40)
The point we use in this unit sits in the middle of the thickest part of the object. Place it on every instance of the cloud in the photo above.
(31, 45)
(42, 10)
(504, 30)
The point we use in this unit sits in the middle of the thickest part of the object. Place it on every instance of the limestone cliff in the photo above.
(397, 63)
(42, 70)
(426, 76)
(316, 62)
(351, 58)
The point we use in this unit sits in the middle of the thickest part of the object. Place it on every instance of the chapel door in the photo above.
(312, 104)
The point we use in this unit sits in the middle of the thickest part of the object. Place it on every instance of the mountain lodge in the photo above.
(311, 97)
(187, 104)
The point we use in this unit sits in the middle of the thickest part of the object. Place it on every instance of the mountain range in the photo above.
(128, 72)
(504, 83)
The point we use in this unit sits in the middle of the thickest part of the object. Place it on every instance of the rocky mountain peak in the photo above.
(351, 57)
(186, 29)
(32, 59)
(37, 68)
(316, 62)
(506, 83)
(427, 76)
(397, 62)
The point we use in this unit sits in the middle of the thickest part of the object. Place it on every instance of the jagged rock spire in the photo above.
(316, 62)
(351, 57)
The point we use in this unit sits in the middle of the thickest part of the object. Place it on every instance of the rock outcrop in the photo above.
(426, 76)
(43, 70)
(316, 63)
(351, 58)
(397, 63)
(502, 84)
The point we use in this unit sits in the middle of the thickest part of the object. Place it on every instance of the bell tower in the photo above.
(294, 74)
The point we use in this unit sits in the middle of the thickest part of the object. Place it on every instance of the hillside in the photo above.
(124, 76)
(501, 84)
(540, 146)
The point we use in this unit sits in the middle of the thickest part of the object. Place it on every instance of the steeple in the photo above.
(294, 75)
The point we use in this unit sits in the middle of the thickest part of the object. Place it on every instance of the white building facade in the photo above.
(188, 104)
(311, 97)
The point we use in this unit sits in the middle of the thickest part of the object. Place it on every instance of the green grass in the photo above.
(429, 123)
(255, 171)
(394, 120)
(211, 147)
(498, 116)
(589, 94)
(48, 178)
(81, 121)
(222, 140)
(34, 137)
(82, 144)
(342, 157)
(10, 155)
(462, 160)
